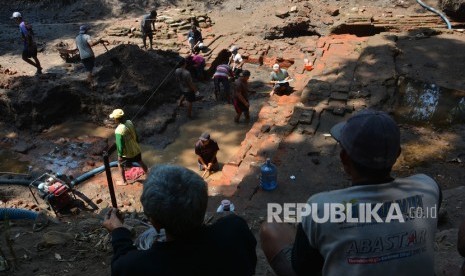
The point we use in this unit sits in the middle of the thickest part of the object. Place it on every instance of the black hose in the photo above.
(77, 180)
(23, 182)
(13, 214)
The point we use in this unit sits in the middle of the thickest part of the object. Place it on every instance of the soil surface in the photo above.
(389, 55)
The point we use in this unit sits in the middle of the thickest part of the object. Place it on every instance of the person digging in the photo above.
(84, 44)
(206, 150)
(126, 143)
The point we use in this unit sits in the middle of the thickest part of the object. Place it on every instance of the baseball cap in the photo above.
(205, 136)
(233, 48)
(117, 113)
(276, 66)
(371, 138)
(16, 15)
(83, 29)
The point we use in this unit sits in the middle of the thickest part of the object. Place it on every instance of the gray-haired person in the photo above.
(175, 199)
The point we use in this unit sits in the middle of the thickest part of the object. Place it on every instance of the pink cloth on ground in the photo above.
(134, 173)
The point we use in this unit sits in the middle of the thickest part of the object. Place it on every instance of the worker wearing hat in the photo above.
(84, 44)
(280, 78)
(206, 150)
(29, 54)
(362, 243)
(236, 61)
(126, 143)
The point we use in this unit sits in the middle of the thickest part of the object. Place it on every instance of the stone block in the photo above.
(306, 117)
(281, 13)
(306, 129)
(339, 96)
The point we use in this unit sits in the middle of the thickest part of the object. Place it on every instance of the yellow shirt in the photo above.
(126, 140)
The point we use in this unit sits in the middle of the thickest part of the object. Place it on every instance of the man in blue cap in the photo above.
(84, 45)
(381, 232)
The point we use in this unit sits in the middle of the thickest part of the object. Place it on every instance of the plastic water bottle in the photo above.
(225, 206)
(269, 176)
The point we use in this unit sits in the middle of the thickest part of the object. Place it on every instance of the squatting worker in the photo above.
(280, 79)
(126, 143)
(147, 26)
(30, 46)
(206, 150)
(375, 245)
(175, 199)
(194, 37)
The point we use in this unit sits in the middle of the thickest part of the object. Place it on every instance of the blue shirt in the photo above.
(27, 34)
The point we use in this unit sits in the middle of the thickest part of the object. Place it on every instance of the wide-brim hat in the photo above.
(116, 114)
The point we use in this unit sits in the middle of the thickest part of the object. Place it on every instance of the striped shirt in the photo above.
(223, 71)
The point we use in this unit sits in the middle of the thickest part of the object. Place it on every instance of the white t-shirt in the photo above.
(236, 58)
(395, 248)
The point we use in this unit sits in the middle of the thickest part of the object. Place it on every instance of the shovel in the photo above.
(114, 60)
(205, 172)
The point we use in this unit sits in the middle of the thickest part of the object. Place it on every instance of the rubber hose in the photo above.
(13, 214)
(449, 26)
(23, 182)
(95, 171)
(77, 180)
(91, 173)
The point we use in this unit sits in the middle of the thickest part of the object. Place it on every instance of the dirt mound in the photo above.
(125, 77)
(126, 66)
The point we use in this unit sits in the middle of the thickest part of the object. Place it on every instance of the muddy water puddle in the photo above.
(428, 104)
(11, 163)
(72, 129)
(212, 117)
